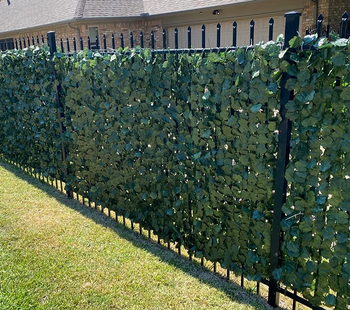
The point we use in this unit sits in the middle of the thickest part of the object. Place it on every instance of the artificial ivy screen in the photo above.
(186, 145)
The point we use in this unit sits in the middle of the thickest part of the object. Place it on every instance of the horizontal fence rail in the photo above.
(110, 44)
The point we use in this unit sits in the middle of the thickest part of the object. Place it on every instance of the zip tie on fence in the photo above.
(295, 215)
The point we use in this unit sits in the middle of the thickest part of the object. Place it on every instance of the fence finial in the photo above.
(344, 23)
(319, 25)
(271, 23)
(251, 36)
(203, 36)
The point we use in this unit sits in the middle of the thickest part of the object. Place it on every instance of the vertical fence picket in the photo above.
(344, 23)
(271, 23)
(176, 34)
(294, 306)
(152, 39)
(328, 30)
(42, 40)
(104, 42)
(234, 34)
(33, 41)
(28, 40)
(319, 25)
(122, 41)
(189, 37)
(251, 35)
(67, 43)
(74, 44)
(16, 44)
(37, 40)
(89, 43)
(141, 42)
(113, 41)
(131, 40)
(81, 43)
(97, 43)
(203, 36)
(62, 48)
(291, 30)
(164, 39)
(20, 43)
(218, 35)
(24, 43)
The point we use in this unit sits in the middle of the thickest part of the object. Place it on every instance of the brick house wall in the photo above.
(107, 28)
(336, 10)
(332, 11)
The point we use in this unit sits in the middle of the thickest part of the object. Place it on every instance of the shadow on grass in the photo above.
(192, 268)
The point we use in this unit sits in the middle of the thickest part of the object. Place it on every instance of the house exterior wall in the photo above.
(336, 10)
(260, 12)
(108, 28)
(332, 10)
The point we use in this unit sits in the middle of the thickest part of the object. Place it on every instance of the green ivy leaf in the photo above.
(255, 108)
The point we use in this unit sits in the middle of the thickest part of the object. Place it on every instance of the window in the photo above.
(93, 34)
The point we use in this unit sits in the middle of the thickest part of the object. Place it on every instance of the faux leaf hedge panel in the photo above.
(28, 111)
(316, 241)
(184, 145)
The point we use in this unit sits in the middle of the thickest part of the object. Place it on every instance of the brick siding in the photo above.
(107, 28)
(332, 11)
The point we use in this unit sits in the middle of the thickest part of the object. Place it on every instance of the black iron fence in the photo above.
(110, 43)
(291, 30)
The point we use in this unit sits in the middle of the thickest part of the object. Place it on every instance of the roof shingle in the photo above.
(113, 8)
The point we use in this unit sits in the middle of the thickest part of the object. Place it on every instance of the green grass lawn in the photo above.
(58, 254)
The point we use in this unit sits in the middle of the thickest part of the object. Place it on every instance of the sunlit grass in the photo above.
(57, 254)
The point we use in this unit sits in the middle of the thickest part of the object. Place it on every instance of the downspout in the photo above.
(75, 28)
(79, 12)
(316, 10)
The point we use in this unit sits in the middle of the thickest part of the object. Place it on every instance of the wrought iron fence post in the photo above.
(51, 40)
(285, 128)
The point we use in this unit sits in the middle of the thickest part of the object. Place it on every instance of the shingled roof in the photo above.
(155, 7)
(21, 14)
(24, 14)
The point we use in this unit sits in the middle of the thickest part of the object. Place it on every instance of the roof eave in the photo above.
(34, 28)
